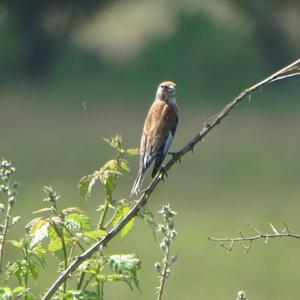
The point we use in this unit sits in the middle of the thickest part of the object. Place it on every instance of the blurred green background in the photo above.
(75, 71)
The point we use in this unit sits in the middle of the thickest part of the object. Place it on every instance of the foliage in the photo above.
(67, 232)
(169, 233)
(9, 189)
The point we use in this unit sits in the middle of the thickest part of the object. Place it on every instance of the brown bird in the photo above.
(158, 133)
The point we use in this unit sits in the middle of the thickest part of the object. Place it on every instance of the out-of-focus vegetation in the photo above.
(73, 72)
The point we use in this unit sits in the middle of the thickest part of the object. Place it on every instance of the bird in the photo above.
(158, 132)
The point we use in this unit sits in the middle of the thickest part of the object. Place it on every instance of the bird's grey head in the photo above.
(166, 91)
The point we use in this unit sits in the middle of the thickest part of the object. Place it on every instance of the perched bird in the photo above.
(159, 130)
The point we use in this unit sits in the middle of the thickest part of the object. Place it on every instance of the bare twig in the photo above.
(246, 241)
(291, 70)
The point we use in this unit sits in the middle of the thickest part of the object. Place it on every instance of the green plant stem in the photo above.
(163, 275)
(103, 215)
(88, 281)
(110, 221)
(5, 230)
(99, 285)
(25, 253)
(72, 235)
(81, 279)
(108, 197)
(65, 260)
(65, 252)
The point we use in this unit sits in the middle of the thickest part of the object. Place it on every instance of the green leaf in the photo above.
(110, 165)
(55, 244)
(33, 271)
(146, 214)
(95, 234)
(15, 243)
(126, 264)
(78, 222)
(115, 142)
(133, 151)
(19, 290)
(30, 296)
(6, 293)
(110, 185)
(39, 232)
(18, 269)
(86, 184)
(125, 165)
(121, 213)
(77, 295)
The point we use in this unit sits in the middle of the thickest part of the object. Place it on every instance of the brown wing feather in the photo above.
(160, 120)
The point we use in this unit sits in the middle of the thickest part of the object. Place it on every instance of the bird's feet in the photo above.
(163, 172)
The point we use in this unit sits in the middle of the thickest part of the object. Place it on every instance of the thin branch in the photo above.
(229, 242)
(288, 71)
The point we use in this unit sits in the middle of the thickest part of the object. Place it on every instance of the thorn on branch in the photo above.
(274, 229)
(254, 229)
(175, 156)
(286, 228)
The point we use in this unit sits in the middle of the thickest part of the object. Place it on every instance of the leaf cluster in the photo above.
(68, 232)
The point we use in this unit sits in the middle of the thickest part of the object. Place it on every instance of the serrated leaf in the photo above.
(18, 269)
(127, 265)
(95, 234)
(78, 222)
(39, 232)
(39, 253)
(86, 184)
(33, 271)
(146, 214)
(121, 213)
(133, 151)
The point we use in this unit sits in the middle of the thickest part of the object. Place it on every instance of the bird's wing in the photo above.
(161, 120)
(163, 150)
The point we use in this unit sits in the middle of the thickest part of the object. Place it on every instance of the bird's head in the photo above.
(166, 91)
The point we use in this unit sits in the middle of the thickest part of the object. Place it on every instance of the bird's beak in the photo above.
(171, 88)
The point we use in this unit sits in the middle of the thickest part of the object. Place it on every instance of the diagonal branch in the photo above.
(288, 71)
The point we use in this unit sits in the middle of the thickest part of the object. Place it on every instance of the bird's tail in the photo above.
(138, 182)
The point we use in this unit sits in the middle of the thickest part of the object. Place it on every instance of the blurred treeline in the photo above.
(125, 47)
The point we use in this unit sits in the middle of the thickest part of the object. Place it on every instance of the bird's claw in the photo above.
(163, 172)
